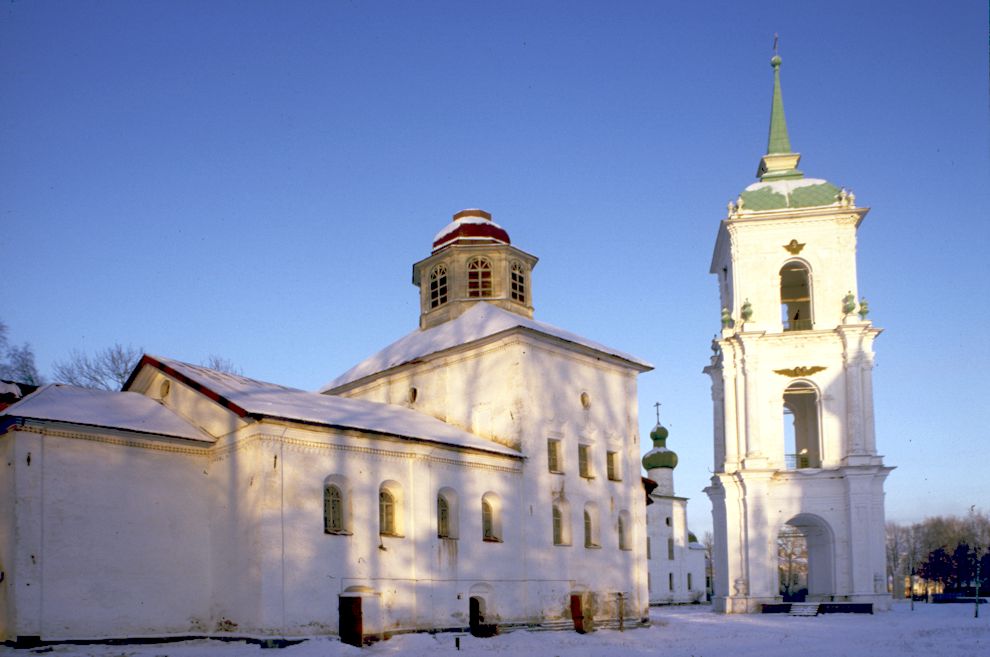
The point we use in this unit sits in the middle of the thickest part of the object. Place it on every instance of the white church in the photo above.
(676, 561)
(483, 470)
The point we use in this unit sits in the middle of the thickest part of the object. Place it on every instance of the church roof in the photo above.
(792, 193)
(782, 185)
(481, 321)
(129, 411)
(470, 227)
(250, 397)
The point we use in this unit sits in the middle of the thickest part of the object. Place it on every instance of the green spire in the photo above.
(779, 162)
(778, 142)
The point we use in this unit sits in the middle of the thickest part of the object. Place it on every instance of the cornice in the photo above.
(302, 445)
(114, 438)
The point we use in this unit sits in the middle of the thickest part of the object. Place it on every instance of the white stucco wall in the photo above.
(521, 391)
(112, 537)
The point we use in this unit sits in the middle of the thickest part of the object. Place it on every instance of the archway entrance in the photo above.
(806, 560)
(476, 618)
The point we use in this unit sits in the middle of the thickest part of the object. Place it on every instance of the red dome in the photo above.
(472, 227)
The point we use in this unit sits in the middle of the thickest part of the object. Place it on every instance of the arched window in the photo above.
(479, 279)
(801, 444)
(443, 517)
(438, 286)
(386, 513)
(491, 521)
(447, 513)
(795, 297)
(591, 526)
(333, 510)
(518, 281)
(561, 521)
(625, 529)
(390, 509)
(336, 505)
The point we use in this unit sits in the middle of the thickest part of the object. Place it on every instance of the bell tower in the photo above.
(472, 260)
(795, 448)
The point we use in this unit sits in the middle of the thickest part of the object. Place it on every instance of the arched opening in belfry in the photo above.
(802, 447)
(805, 560)
(795, 297)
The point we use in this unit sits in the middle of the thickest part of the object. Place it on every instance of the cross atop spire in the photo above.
(658, 405)
(779, 161)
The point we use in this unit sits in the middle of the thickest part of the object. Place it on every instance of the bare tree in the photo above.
(221, 364)
(17, 362)
(107, 369)
(792, 561)
(898, 556)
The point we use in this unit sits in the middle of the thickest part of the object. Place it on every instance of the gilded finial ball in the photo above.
(775, 61)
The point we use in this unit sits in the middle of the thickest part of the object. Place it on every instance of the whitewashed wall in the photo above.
(112, 537)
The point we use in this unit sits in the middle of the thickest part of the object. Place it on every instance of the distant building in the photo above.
(795, 448)
(481, 471)
(675, 558)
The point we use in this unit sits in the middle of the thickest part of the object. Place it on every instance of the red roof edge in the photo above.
(179, 376)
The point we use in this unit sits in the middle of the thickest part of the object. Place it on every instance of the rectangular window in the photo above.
(670, 549)
(689, 582)
(670, 581)
(612, 464)
(649, 550)
(553, 456)
(584, 461)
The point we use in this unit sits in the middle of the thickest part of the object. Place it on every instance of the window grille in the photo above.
(518, 283)
(438, 286)
(584, 461)
(386, 513)
(479, 278)
(333, 510)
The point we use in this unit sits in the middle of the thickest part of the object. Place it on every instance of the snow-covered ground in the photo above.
(690, 631)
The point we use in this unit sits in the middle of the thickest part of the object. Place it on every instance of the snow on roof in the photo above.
(260, 398)
(457, 223)
(481, 321)
(130, 411)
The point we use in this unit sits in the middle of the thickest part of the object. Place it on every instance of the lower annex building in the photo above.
(677, 562)
(483, 469)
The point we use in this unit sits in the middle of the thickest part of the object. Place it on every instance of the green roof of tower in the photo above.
(781, 185)
(659, 456)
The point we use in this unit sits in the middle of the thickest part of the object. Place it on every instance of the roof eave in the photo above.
(640, 366)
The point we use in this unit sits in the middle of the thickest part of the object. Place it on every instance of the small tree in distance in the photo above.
(107, 369)
(221, 364)
(17, 362)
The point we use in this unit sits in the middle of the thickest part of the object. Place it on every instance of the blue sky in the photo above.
(255, 180)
